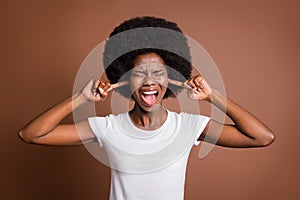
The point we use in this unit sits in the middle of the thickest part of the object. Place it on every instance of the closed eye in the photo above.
(159, 72)
(138, 73)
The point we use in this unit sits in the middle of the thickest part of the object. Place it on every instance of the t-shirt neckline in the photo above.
(141, 133)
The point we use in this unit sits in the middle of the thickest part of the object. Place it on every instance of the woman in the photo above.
(144, 76)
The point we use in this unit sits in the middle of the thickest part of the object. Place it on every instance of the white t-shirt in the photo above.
(148, 165)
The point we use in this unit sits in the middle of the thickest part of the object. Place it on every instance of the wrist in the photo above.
(215, 95)
(79, 99)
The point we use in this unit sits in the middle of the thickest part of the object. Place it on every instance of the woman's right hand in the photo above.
(96, 90)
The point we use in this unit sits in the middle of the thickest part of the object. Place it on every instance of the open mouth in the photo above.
(149, 97)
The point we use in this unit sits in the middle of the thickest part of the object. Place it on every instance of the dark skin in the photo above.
(148, 113)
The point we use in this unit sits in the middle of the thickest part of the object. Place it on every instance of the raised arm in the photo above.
(247, 130)
(47, 129)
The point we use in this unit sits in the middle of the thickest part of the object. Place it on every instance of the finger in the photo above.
(197, 81)
(106, 86)
(179, 83)
(119, 84)
(206, 86)
(174, 82)
(191, 82)
(103, 85)
(102, 92)
(116, 85)
(187, 86)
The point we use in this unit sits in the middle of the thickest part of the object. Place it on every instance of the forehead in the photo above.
(150, 59)
(149, 66)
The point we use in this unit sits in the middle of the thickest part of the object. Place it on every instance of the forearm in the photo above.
(244, 121)
(48, 120)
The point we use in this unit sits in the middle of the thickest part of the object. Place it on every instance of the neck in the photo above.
(148, 120)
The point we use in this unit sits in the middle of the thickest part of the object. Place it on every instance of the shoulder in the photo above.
(106, 121)
(188, 119)
(109, 117)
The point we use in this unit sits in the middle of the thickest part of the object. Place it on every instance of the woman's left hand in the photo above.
(199, 88)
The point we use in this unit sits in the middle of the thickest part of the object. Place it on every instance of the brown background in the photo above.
(254, 43)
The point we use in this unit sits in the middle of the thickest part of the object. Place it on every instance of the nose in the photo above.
(149, 80)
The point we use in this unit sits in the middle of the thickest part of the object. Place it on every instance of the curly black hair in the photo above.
(142, 35)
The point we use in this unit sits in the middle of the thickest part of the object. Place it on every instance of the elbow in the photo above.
(25, 137)
(268, 139)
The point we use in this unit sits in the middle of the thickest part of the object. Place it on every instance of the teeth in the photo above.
(150, 92)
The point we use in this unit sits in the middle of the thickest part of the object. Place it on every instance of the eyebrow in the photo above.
(158, 70)
(138, 70)
(143, 71)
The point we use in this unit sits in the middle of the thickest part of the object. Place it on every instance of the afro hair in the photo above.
(147, 31)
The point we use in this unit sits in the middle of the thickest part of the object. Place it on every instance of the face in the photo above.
(148, 81)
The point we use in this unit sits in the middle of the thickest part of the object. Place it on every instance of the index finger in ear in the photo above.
(119, 84)
(180, 84)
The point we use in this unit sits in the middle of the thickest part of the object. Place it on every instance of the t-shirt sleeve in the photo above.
(99, 126)
(202, 122)
(197, 123)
